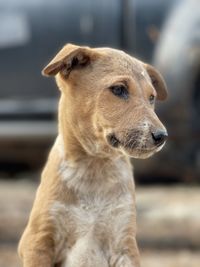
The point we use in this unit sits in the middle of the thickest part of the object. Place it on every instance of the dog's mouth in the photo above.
(113, 140)
(134, 147)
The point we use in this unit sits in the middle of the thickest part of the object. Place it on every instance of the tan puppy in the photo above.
(84, 211)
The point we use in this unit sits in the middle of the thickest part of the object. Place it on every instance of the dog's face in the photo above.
(108, 99)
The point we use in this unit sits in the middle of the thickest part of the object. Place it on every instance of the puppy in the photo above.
(84, 211)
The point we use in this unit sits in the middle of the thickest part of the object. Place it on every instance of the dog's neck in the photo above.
(71, 147)
(91, 174)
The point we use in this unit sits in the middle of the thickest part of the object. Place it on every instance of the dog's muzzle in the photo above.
(137, 140)
(113, 141)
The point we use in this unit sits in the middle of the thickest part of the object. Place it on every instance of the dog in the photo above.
(84, 212)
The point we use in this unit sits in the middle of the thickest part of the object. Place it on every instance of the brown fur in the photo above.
(84, 211)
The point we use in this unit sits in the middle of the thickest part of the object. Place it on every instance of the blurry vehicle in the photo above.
(31, 32)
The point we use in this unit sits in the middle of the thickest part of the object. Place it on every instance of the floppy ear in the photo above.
(68, 58)
(157, 81)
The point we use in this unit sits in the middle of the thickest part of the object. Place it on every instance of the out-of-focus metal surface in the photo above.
(27, 129)
(44, 26)
(177, 56)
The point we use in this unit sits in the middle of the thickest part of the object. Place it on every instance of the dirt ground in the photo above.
(168, 221)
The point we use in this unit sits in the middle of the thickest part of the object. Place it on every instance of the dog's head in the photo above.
(108, 100)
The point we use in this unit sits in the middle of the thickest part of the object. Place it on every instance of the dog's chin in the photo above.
(139, 153)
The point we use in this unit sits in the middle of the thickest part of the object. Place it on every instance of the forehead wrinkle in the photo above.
(125, 68)
(133, 68)
(118, 63)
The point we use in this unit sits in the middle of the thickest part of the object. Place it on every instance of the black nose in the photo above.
(159, 137)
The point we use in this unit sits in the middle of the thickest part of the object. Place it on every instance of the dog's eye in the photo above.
(152, 99)
(120, 91)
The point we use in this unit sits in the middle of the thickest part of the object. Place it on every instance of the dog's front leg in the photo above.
(37, 259)
(36, 248)
(126, 254)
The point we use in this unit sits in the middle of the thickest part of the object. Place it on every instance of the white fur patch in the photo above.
(104, 205)
(84, 177)
(93, 215)
(86, 253)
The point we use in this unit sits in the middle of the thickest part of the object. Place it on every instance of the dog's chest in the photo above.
(92, 213)
(103, 206)
(91, 216)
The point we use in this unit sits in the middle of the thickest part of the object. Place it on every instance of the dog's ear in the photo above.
(68, 58)
(158, 82)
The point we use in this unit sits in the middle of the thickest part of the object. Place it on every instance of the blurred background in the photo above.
(163, 33)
